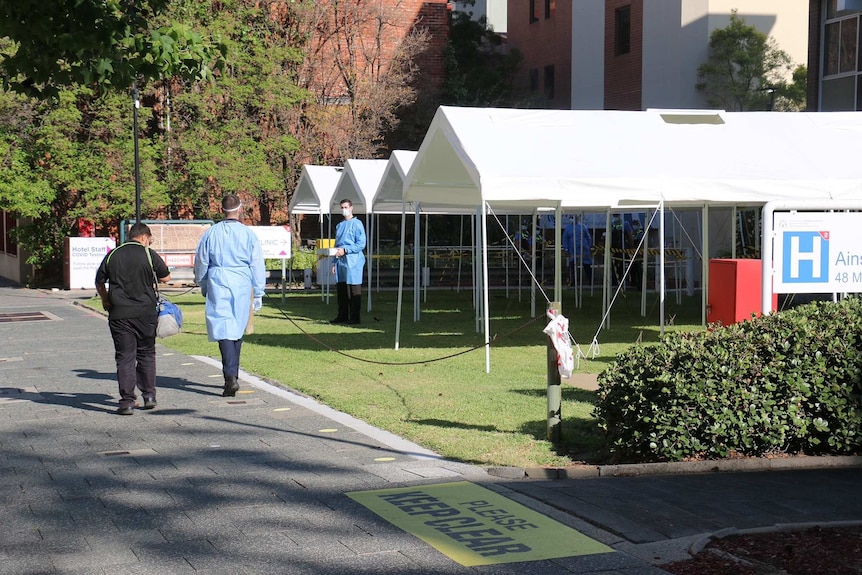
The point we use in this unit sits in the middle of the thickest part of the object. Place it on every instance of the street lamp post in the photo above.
(137, 104)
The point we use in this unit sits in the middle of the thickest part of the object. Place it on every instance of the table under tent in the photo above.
(654, 162)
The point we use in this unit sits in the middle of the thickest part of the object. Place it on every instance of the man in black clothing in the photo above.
(130, 300)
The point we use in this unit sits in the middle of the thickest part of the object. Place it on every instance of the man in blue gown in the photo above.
(230, 272)
(349, 263)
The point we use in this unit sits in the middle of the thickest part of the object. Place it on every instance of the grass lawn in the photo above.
(424, 391)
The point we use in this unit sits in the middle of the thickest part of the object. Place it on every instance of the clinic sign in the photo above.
(275, 241)
(817, 252)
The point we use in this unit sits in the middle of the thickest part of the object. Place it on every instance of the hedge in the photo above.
(790, 382)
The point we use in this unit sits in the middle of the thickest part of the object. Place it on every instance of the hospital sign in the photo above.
(817, 252)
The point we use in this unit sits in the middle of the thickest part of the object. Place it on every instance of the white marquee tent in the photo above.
(618, 160)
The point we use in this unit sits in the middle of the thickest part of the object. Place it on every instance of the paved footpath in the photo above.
(256, 484)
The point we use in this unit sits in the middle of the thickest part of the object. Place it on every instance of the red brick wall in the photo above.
(433, 16)
(624, 73)
(543, 42)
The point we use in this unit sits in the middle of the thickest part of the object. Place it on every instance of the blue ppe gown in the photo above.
(229, 269)
(350, 235)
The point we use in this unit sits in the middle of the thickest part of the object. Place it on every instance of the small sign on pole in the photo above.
(83, 256)
(275, 242)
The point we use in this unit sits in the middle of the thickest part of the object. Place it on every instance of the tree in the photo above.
(104, 43)
(743, 66)
(792, 97)
(480, 69)
(234, 136)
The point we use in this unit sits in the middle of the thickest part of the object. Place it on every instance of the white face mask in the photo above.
(345, 212)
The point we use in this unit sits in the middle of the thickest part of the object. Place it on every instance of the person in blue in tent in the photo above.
(349, 264)
(230, 272)
(578, 243)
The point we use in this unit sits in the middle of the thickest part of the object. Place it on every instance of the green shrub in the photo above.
(790, 382)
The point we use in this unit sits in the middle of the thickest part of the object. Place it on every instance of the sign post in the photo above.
(554, 390)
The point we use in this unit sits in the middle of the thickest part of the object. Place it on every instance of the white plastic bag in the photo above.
(558, 330)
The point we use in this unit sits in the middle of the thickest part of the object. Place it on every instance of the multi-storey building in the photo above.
(635, 54)
(835, 58)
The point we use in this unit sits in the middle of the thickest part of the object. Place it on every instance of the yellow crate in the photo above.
(326, 243)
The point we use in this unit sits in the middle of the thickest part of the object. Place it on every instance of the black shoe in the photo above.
(125, 410)
(339, 320)
(231, 386)
(149, 403)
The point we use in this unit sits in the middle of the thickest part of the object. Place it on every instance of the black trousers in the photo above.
(349, 301)
(230, 350)
(135, 353)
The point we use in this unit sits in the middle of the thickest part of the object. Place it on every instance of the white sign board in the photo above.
(275, 241)
(817, 252)
(85, 255)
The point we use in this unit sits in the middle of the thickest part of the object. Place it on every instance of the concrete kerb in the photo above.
(679, 467)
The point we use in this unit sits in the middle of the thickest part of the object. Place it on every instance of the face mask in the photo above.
(345, 212)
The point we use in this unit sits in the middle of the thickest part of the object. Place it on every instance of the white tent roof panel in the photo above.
(358, 183)
(594, 159)
(314, 190)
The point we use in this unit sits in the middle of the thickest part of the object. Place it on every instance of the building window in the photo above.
(534, 11)
(534, 80)
(623, 30)
(841, 79)
(549, 82)
(550, 8)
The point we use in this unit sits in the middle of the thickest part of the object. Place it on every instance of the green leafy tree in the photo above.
(744, 64)
(235, 135)
(480, 70)
(793, 96)
(107, 43)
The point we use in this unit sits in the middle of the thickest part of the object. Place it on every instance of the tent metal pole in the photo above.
(370, 257)
(733, 230)
(425, 267)
(478, 288)
(644, 266)
(533, 243)
(558, 255)
(704, 263)
(460, 251)
(606, 279)
(506, 257)
(400, 278)
(417, 277)
(487, 288)
(662, 286)
(377, 273)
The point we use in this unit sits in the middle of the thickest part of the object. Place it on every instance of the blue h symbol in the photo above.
(805, 258)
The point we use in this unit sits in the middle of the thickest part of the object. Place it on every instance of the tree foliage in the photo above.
(480, 69)
(106, 43)
(743, 66)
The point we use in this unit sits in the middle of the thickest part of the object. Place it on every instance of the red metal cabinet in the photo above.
(735, 290)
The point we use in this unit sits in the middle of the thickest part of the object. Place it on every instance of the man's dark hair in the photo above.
(139, 229)
(346, 201)
(230, 203)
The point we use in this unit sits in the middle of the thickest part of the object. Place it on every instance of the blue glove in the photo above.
(257, 304)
